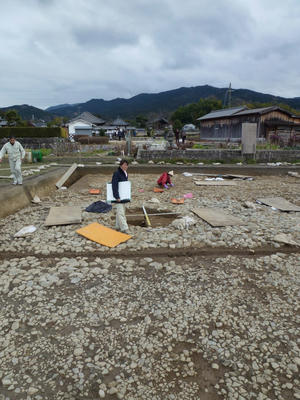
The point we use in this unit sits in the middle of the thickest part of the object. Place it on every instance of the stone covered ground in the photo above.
(177, 312)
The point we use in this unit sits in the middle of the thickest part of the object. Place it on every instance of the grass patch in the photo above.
(45, 152)
(251, 161)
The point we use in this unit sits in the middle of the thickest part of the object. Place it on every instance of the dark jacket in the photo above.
(118, 176)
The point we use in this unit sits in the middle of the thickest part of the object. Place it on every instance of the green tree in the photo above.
(177, 124)
(141, 121)
(57, 121)
(13, 118)
(190, 113)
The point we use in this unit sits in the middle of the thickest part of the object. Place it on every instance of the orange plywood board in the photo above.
(177, 201)
(94, 191)
(101, 234)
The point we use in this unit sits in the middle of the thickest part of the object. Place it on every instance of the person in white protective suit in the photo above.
(16, 154)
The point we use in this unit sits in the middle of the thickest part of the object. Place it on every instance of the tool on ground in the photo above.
(148, 223)
(158, 190)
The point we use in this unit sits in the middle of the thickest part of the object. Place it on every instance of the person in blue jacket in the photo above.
(120, 175)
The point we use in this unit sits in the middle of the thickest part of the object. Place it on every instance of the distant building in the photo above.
(226, 124)
(188, 127)
(120, 123)
(88, 117)
(38, 123)
(80, 127)
(3, 122)
(85, 124)
(158, 123)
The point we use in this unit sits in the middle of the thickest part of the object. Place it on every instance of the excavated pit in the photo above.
(136, 217)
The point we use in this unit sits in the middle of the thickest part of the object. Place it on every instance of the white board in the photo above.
(124, 191)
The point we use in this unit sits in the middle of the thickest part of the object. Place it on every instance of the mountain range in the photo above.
(147, 104)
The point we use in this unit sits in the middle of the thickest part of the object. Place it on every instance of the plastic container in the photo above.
(37, 156)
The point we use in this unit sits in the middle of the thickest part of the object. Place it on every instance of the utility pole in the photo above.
(227, 97)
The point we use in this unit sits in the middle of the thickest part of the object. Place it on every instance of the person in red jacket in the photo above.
(165, 179)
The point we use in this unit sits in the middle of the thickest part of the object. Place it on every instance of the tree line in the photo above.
(13, 118)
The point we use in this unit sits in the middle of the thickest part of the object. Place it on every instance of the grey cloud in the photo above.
(59, 51)
(103, 37)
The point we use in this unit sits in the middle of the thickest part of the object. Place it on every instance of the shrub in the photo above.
(93, 139)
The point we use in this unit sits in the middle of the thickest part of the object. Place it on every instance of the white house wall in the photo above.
(79, 122)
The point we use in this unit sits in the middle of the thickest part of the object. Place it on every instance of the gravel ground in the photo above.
(180, 311)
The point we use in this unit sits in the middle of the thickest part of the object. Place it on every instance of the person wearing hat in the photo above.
(16, 154)
(165, 179)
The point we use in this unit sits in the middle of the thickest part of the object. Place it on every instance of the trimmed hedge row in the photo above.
(31, 132)
(92, 139)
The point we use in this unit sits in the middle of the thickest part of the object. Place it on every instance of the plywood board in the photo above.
(280, 203)
(215, 183)
(63, 216)
(217, 217)
(101, 234)
(66, 176)
(177, 201)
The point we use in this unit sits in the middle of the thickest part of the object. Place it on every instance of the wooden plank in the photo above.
(217, 217)
(280, 203)
(215, 183)
(66, 176)
(63, 216)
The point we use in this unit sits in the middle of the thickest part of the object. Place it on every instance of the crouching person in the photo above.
(165, 179)
(16, 154)
(120, 176)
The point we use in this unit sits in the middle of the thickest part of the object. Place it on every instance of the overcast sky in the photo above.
(69, 51)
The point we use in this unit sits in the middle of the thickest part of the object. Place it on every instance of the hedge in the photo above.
(92, 139)
(30, 132)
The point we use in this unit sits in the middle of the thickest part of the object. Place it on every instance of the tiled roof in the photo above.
(87, 116)
(119, 122)
(262, 110)
(237, 111)
(225, 112)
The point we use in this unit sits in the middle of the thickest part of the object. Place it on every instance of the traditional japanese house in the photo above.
(226, 124)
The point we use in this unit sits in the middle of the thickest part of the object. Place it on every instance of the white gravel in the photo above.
(146, 320)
